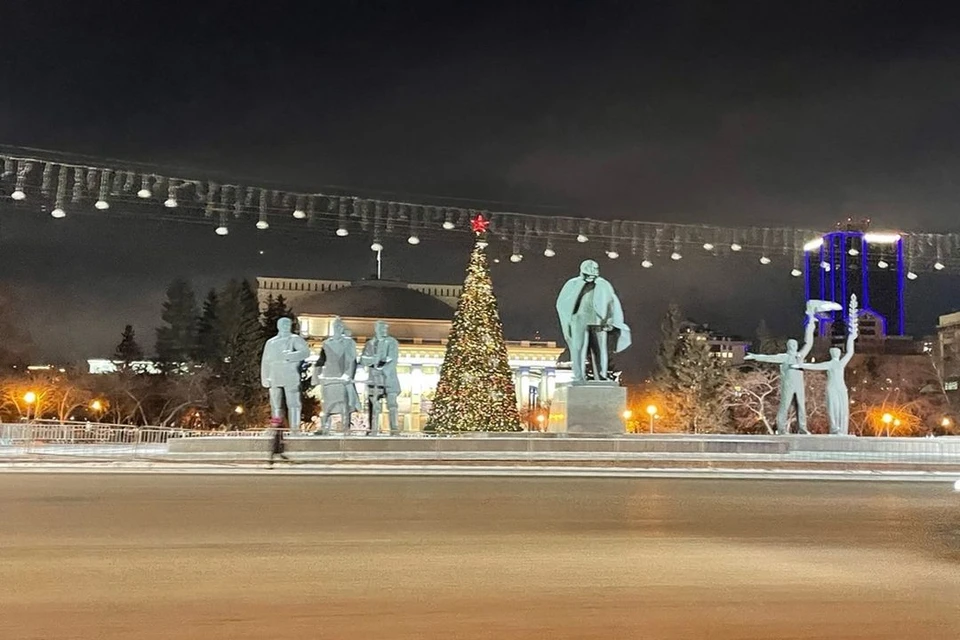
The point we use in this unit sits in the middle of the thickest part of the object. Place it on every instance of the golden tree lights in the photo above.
(476, 391)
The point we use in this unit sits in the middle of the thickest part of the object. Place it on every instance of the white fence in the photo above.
(90, 439)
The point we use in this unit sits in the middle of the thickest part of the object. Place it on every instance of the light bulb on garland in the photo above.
(171, 201)
(58, 213)
(413, 239)
(796, 273)
(299, 214)
(581, 238)
(736, 247)
(448, 225)
(342, 232)
(222, 230)
(376, 246)
(646, 264)
(764, 260)
(708, 246)
(101, 204)
(145, 191)
(911, 275)
(18, 192)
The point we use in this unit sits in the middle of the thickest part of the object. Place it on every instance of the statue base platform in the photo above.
(588, 408)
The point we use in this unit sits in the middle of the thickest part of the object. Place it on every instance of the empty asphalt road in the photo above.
(260, 557)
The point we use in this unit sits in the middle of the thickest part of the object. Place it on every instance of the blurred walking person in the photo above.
(276, 445)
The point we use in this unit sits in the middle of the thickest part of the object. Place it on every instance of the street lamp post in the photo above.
(651, 411)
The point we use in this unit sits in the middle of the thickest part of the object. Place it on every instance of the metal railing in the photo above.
(92, 439)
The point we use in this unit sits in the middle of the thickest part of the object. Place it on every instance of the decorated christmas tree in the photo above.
(476, 391)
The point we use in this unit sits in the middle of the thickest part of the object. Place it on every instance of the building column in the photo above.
(416, 392)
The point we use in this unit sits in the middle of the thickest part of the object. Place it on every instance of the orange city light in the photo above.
(652, 410)
(96, 405)
(886, 418)
(30, 397)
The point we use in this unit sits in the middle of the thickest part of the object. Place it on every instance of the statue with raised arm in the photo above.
(589, 310)
(380, 358)
(280, 372)
(334, 373)
(838, 400)
(791, 379)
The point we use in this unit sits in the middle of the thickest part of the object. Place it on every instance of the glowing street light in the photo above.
(30, 398)
(97, 406)
(238, 410)
(945, 423)
(652, 412)
(886, 418)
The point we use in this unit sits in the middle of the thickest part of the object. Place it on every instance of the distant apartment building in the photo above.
(947, 350)
(729, 349)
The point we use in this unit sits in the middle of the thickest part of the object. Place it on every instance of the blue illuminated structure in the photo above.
(870, 265)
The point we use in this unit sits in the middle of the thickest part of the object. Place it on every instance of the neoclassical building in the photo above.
(420, 318)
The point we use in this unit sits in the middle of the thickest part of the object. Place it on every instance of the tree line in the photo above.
(204, 370)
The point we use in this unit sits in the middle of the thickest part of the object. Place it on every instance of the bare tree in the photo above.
(753, 395)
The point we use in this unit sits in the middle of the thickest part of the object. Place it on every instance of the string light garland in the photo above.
(101, 184)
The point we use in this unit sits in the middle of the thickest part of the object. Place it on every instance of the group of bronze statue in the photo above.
(589, 311)
(792, 366)
(334, 373)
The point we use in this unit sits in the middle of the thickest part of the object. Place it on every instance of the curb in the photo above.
(479, 471)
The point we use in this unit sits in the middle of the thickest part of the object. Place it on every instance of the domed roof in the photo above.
(375, 299)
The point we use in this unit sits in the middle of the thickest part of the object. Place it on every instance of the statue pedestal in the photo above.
(588, 408)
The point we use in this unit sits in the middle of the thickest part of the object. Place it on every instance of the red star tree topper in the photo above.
(479, 224)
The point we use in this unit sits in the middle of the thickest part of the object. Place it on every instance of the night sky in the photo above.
(728, 113)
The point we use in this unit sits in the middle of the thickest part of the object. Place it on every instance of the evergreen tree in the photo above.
(16, 345)
(275, 309)
(209, 347)
(177, 337)
(691, 380)
(476, 390)
(765, 341)
(128, 351)
(241, 340)
(671, 327)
